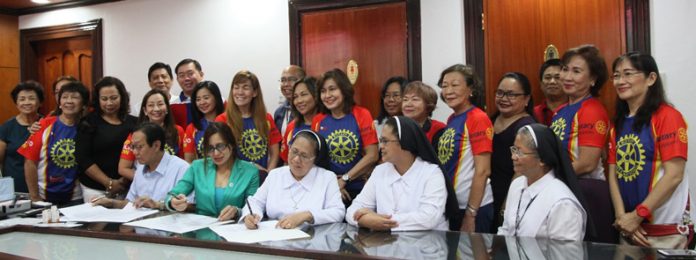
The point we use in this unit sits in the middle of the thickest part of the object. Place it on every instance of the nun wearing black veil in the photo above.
(409, 190)
(545, 201)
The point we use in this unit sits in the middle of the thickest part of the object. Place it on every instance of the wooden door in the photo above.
(63, 57)
(375, 36)
(516, 33)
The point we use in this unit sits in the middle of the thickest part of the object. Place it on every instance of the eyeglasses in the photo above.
(509, 94)
(384, 141)
(288, 80)
(303, 156)
(220, 148)
(394, 96)
(626, 75)
(517, 152)
(135, 148)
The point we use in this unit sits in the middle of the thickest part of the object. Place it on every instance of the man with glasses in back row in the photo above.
(188, 74)
(283, 114)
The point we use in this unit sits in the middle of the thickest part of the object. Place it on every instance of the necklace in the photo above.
(292, 196)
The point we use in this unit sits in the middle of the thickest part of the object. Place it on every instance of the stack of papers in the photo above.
(178, 222)
(19, 221)
(88, 213)
(267, 231)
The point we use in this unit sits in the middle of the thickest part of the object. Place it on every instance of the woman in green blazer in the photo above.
(222, 182)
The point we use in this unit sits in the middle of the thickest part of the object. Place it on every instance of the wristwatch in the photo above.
(345, 177)
(643, 211)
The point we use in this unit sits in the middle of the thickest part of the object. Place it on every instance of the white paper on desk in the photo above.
(267, 231)
(88, 213)
(63, 225)
(19, 221)
(177, 223)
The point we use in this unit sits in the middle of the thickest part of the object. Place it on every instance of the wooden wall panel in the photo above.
(518, 31)
(375, 36)
(9, 41)
(9, 64)
(9, 77)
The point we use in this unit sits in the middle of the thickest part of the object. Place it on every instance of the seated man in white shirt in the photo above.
(156, 172)
(408, 191)
(545, 201)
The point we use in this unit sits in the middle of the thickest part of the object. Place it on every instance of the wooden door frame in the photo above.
(29, 37)
(413, 41)
(637, 13)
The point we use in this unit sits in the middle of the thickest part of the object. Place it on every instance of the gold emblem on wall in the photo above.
(352, 71)
(551, 52)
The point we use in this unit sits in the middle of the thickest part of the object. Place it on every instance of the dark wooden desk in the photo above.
(330, 241)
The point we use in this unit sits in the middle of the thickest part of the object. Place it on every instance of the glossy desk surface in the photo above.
(339, 240)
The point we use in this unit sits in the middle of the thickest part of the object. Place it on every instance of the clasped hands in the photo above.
(629, 226)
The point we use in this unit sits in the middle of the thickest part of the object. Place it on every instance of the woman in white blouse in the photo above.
(301, 192)
(545, 201)
(408, 191)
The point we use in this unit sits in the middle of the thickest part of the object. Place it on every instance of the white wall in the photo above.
(442, 43)
(225, 36)
(674, 48)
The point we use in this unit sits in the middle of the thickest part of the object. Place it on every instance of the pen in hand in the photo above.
(252, 218)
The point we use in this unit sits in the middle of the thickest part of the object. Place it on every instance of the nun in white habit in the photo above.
(545, 201)
(408, 191)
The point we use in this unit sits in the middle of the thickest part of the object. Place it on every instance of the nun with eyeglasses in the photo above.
(545, 201)
(409, 190)
(302, 192)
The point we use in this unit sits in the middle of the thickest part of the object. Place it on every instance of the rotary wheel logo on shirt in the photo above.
(630, 157)
(63, 153)
(601, 127)
(445, 147)
(558, 127)
(343, 146)
(683, 137)
(253, 146)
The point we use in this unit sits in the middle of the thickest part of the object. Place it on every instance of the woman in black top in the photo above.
(513, 99)
(100, 139)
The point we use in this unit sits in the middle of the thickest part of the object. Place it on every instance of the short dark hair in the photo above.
(402, 83)
(595, 63)
(548, 63)
(160, 65)
(74, 87)
(187, 61)
(343, 84)
(152, 132)
(28, 85)
(196, 114)
(472, 81)
(108, 81)
(61, 78)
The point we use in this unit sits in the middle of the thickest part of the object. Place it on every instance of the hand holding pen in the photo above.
(251, 221)
(178, 201)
